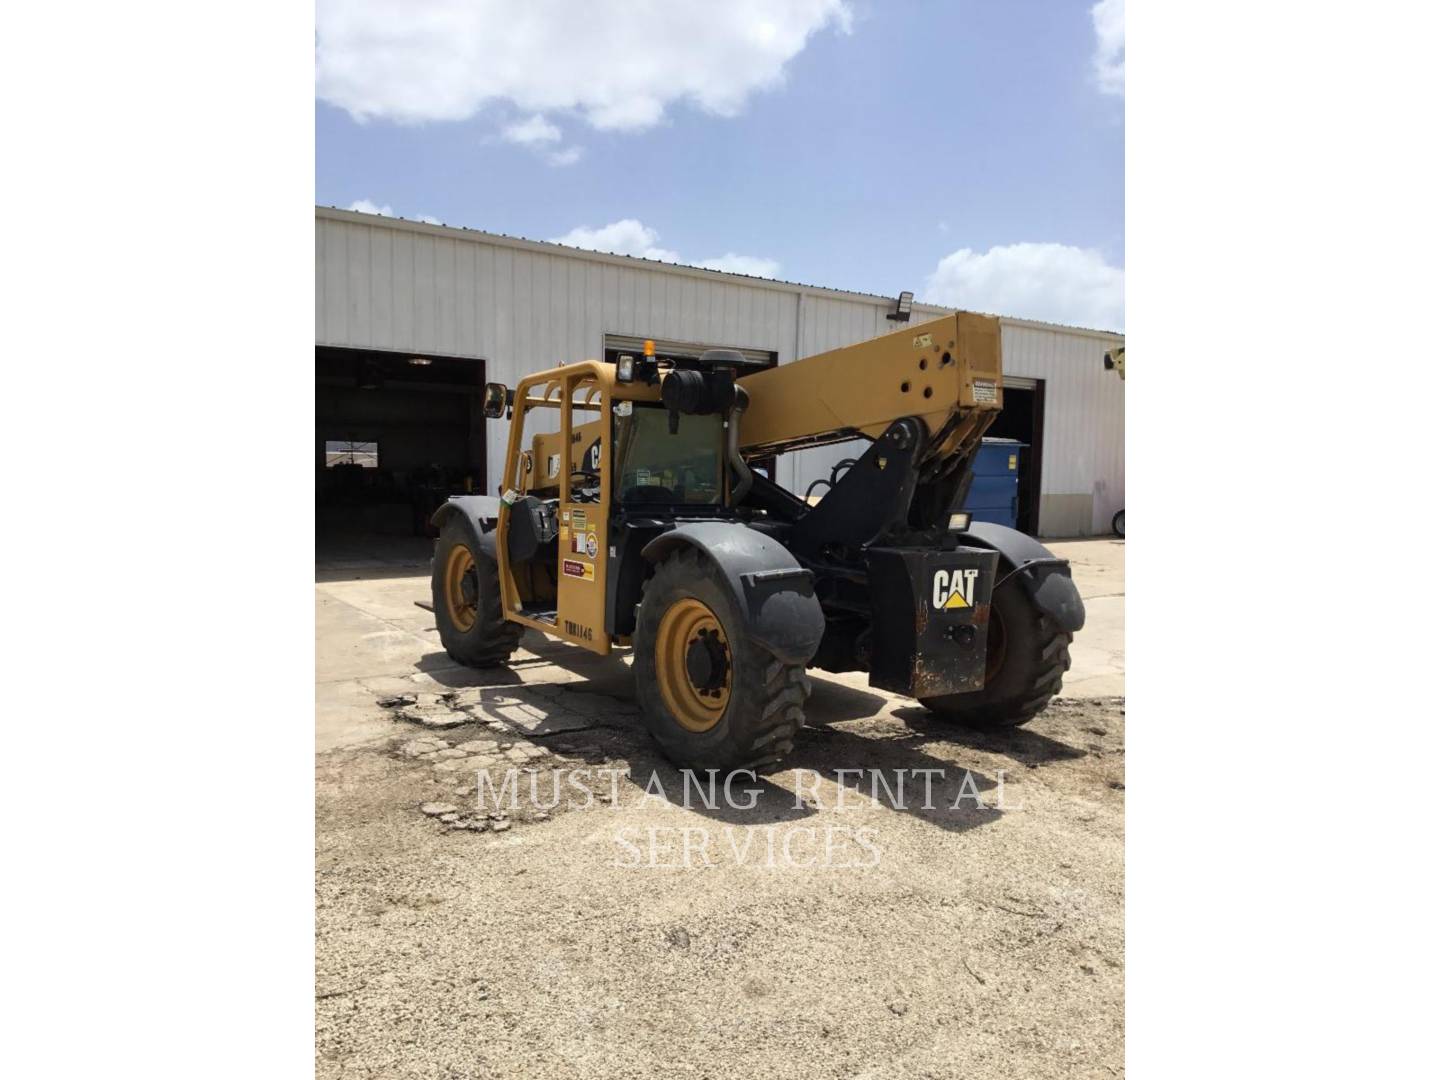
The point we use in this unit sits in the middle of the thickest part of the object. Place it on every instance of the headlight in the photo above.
(625, 369)
(959, 522)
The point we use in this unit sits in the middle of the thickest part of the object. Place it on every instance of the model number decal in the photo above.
(954, 589)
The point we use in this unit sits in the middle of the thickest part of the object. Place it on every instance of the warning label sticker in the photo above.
(575, 568)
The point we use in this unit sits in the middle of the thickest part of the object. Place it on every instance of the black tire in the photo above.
(489, 640)
(1027, 657)
(766, 706)
(1117, 524)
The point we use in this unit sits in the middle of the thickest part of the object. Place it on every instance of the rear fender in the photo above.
(1042, 573)
(775, 593)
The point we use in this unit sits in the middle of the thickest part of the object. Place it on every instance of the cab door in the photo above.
(584, 495)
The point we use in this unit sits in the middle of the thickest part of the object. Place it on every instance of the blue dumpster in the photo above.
(994, 493)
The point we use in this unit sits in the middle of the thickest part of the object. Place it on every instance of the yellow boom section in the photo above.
(945, 371)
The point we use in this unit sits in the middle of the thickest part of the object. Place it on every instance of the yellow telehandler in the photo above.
(631, 515)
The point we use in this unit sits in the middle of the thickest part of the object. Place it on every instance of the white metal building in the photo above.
(411, 318)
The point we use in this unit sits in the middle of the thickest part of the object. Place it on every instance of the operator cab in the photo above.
(660, 469)
(600, 468)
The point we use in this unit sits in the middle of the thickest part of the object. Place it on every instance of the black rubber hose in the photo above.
(811, 488)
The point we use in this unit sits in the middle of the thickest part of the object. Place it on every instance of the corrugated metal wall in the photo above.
(1082, 476)
(520, 306)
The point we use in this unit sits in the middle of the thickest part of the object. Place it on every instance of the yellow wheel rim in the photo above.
(688, 625)
(462, 611)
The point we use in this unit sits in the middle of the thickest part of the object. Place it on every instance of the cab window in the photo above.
(657, 467)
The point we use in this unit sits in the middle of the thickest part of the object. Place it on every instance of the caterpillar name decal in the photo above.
(954, 589)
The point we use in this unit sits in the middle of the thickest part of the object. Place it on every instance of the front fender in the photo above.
(771, 589)
(1044, 575)
(475, 511)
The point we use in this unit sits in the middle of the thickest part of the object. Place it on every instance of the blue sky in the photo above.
(972, 152)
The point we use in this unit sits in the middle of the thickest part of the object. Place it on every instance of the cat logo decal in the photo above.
(954, 589)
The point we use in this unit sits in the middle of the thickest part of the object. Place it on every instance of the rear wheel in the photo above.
(465, 592)
(710, 696)
(1117, 524)
(1026, 657)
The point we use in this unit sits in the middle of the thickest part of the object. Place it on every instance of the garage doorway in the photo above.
(1023, 418)
(395, 435)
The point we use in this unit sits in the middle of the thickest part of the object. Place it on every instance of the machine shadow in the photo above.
(445, 671)
(834, 702)
(881, 771)
(1019, 744)
(879, 776)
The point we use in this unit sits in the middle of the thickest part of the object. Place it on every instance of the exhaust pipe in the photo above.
(742, 488)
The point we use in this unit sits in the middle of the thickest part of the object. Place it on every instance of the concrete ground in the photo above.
(837, 926)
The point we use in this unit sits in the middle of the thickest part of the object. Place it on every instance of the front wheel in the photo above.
(711, 696)
(1117, 524)
(465, 592)
(1026, 657)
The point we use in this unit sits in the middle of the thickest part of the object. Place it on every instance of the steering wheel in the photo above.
(589, 489)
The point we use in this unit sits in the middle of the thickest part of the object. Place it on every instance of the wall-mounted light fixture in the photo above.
(902, 308)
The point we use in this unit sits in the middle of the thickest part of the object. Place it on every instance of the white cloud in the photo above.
(742, 264)
(631, 237)
(568, 156)
(1109, 19)
(531, 131)
(1049, 282)
(618, 63)
(538, 133)
(624, 237)
(365, 206)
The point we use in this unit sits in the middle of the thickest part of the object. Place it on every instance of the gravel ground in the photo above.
(829, 934)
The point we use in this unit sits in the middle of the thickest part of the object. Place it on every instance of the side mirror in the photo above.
(496, 398)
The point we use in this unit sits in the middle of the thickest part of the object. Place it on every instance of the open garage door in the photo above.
(1023, 418)
(395, 435)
